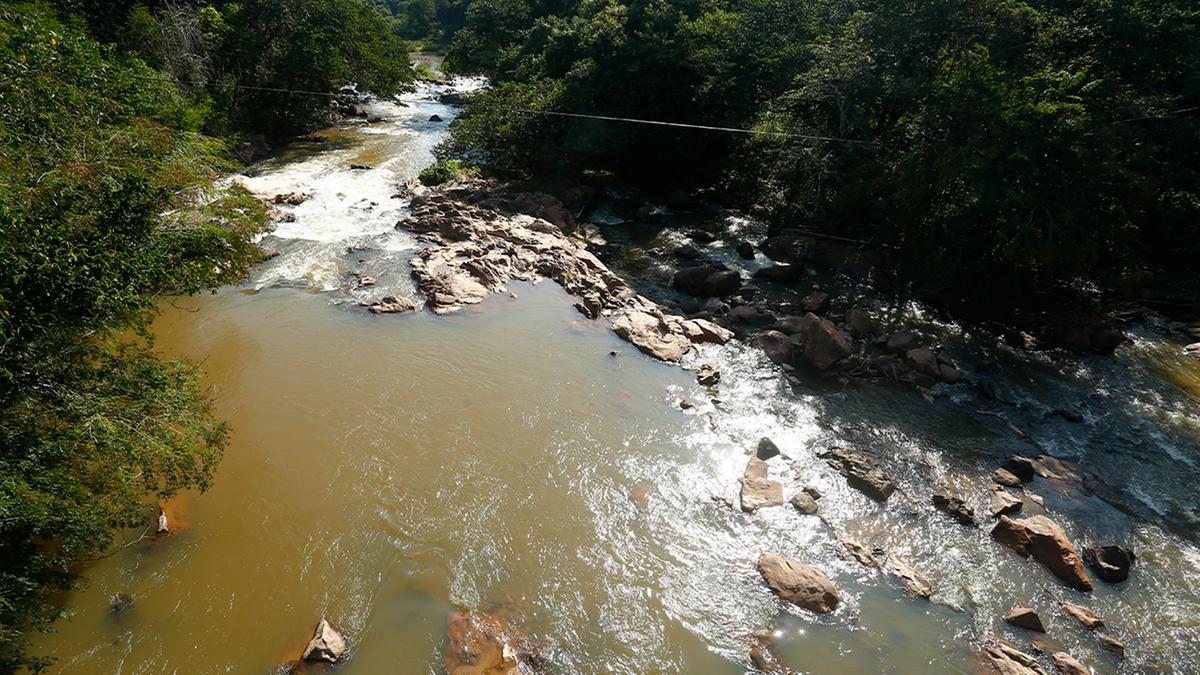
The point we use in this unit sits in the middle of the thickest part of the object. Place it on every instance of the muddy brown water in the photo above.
(385, 470)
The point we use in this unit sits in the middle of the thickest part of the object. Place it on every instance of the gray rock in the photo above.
(707, 376)
(327, 644)
(859, 324)
(766, 449)
(901, 342)
(804, 503)
(746, 250)
(780, 272)
(861, 473)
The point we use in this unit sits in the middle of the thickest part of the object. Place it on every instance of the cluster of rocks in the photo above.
(481, 235)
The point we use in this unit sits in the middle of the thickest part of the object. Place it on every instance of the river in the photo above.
(384, 470)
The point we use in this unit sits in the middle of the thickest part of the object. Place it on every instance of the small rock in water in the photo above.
(327, 644)
(759, 491)
(766, 449)
(815, 303)
(954, 507)
(812, 492)
(435, 118)
(746, 250)
(640, 495)
(798, 583)
(910, 578)
(119, 603)
(360, 167)
(1112, 644)
(1027, 618)
(861, 473)
(1021, 467)
(1110, 563)
(804, 503)
(1068, 665)
(1193, 350)
(1005, 477)
(777, 346)
(392, 305)
(164, 526)
(1003, 503)
(366, 281)
(861, 554)
(1070, 415)
(1008, 660)
(1083, 616)
(686, 404)
(707, 376)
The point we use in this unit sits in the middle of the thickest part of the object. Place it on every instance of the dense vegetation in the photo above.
(430, 22)
(107, 201)
(1003, 147)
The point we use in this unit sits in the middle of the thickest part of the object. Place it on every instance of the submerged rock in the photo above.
(799, 584)
(861, 554)
(392, 305)
(1025, 617)
(764, 658)
(824, 346)
(758, 490)
(954, 507)
(1110, 563)
(910, 578)
(486, 644)
(861, 473)
(120, 603)
(327, 644)
(1040, 537)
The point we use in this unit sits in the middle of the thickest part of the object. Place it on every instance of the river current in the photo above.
(384, 470)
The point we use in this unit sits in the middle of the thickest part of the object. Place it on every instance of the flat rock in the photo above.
(327, 644)
(1025, 617)
(861, 473)
(910, 578)
(797, 583)
(824, 345)
(759, 491)
(392, 305)
(1045, 541)
(652, 335)
(1082, 615)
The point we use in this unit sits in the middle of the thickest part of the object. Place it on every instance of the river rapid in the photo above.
(385, 470)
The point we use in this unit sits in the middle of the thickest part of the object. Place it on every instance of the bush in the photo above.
(444, 171)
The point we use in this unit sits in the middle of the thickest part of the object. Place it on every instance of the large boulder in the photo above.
(758, 490)
(777, 346)
(861, 473)
(1042, 538)
(824, 346)
(1110, 563)
(327, 644)
(798, 583)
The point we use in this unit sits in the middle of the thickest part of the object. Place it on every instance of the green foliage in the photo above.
(446, 171)
(1006, 147)
(106, 200)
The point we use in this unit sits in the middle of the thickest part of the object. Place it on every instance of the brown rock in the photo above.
(1008, 660)
(798, 583)
(1110, 563)
(1083, 616)
(910, 578)
(758, 491)
(1067, 665)
(924, 361)
(815, 303)
(392, 305)
(901, 342)
(1005, 477)
(859, 324)
(954, 507)
(1112, 644)
(777, 346)
(861, 554)
(1021, 467)
(1003, 503)
(824, 346)
(1041, 538)
(1027, 618)
(765, 659)
(327, 644)
(640, 495)
(485, 644)
(861, 473)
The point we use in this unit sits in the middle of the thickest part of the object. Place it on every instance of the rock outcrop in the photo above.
(1040, 537)
(798, 583)
(483, 235)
